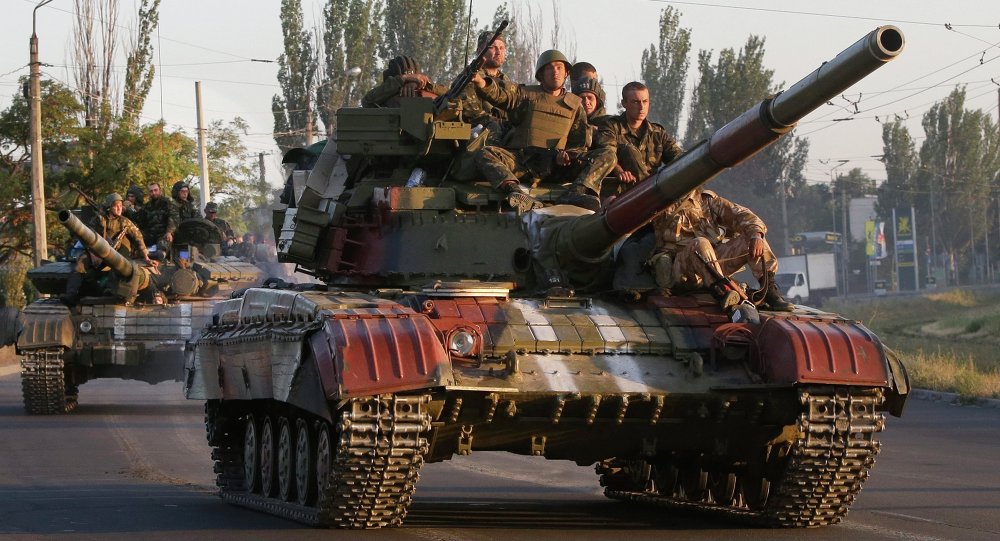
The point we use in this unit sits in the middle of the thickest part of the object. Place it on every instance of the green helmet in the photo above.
(111, 198)
(547, 58)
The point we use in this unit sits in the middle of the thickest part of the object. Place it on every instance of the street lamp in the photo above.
(41, 247)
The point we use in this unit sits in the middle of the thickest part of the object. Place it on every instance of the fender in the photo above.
(46, 324)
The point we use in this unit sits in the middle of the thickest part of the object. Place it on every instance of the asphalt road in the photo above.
(132, 463)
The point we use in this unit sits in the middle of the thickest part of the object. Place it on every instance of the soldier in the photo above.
(490, 115)
(133, 204)
(592, 96)
(158, 218)
(212, 215)
(704, 229)
(627, 145)
(586, 70)
(401, 78)
(123, 235)
(185, 204)
(551, 123)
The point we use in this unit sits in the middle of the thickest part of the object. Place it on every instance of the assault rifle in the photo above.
(90, 200)
(465, 77)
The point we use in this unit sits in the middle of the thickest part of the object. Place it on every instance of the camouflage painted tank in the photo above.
(137, 326)
(451, 324)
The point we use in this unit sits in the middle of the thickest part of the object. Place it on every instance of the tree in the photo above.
(901, 162)
(725, 89)
(139, 67)
(523, 38)
(60, 126)
(664, 70)
(958, 161)
(431, 31)
(351, 32)
(292, 109)
(93, 74)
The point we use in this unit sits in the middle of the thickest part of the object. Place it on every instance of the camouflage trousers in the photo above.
(600, 162)
(684, 270)
(498, 164)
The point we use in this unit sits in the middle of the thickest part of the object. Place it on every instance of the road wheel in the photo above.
(251, 455)
(267, 457)
(305, 465)
(324, 459)
(286, 450)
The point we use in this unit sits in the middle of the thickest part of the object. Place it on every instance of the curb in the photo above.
(10, 369)
(954, 398)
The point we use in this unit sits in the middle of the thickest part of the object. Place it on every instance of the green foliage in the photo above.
(664, 71)
(12, 282)
(351, 27)
(139, 67)
(901, 162)
(431, 31)
(296, 72)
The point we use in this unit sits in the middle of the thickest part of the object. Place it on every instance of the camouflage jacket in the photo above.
(384, 94)
(122, 234)
(227, 231)
(702, 213)
(186, 209)
(639, 151)
(158, 217)
(479, 110)
(539, 119)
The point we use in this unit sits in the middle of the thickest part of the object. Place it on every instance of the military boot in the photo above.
(579, 195)
(773, 298)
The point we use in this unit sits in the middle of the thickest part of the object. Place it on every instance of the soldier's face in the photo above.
(496, 55)
(636, 105)
(116, 208)
(589, 102)
(183, 194)
(154, 191)
(553, 76)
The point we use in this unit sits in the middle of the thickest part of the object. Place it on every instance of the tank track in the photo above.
(823, 471)
(43, 382)
(379, 453)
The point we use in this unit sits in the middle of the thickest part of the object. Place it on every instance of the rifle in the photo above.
(744, 311)
(465, 77)
(90, 200)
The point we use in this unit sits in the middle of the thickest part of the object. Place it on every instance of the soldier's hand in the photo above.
(409, 90)
(478, 80)
(756, 247)
(562, 158)
(152, 263)
(169, 237)
(626, 176)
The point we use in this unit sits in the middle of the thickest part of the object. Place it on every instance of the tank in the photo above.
(136, 326)
(449, 323)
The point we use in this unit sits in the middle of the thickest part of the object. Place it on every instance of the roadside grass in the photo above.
(949, 341)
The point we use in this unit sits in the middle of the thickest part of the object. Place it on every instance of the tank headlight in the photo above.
(86, 326)
(462, 343)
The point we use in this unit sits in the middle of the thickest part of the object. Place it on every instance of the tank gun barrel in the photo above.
(738, 140)
(96, 243)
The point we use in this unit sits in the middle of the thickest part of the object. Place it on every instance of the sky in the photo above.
(217, 42)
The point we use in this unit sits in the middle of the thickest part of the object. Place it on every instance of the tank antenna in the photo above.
(468, 32)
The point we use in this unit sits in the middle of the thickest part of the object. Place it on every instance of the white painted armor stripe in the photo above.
(185, 322)
(118, 348)
(603, 320)
(539, 323)
(557, 376)
(628, 374)
(612, 334)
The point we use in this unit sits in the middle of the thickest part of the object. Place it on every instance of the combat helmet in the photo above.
(112, 198)
(546, 58)
(211, 206)
(587, 84)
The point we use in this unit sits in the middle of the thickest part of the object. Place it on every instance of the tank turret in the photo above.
(386, 217)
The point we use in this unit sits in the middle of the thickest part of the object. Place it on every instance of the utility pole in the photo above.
(206, 195)
(309, 123)
(845, 240)
(41, 243)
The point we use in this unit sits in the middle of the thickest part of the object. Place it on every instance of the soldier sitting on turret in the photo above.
(627, 145)
(184, 203)
(121, 233)
(704, 229)
(212, 215)
(550, 125)
(401, 78)
(158, 218)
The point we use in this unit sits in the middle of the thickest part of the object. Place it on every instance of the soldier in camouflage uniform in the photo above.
(401, 78)
(705, 227)
(550, 125)
(585, 70)
(133, 204)
(158, 218)
(186, 206)
(627, 145)
(212, 215)
(121, 234)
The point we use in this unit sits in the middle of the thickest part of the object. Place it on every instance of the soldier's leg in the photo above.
(735, 253)
(586, 189)
(496, 165)
(692, 269)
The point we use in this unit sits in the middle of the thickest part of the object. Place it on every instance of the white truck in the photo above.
(807, 277)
